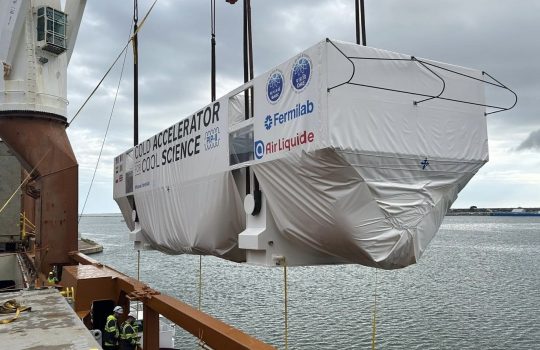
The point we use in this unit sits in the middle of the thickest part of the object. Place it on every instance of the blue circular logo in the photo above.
(259, 149)
(301, 73)
(274, 86)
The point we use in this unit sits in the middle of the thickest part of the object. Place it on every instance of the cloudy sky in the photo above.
(174, 47)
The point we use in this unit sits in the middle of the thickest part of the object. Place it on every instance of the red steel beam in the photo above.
(83, 259)
(212, 332)
(150, 328)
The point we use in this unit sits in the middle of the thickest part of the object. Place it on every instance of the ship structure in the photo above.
(35, 48)
(37, 38)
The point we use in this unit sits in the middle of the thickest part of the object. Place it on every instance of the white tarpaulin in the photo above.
(184, 203)
(359, 153)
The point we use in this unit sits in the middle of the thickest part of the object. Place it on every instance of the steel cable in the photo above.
(112, 65)
(105, 136)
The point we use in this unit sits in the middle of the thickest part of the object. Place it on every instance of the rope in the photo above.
(138, 276)
(138, 264)
(200, 282)
(23, 182)
(112, 65)
(10, 307)
(9, 320)
(374, 316)
(286, 314)
(97, 86)
(105, 137)
(135, 28)
(200, 342)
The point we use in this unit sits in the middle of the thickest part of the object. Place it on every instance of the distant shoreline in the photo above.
(104, 215)
(473, 211)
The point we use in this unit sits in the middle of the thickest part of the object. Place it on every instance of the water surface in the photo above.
(476, 287)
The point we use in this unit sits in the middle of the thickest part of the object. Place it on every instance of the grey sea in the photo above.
(477, 286)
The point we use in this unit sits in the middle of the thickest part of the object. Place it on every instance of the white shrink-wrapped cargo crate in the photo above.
(354, 155)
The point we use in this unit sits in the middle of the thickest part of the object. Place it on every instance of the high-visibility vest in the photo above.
(128, 336)
(111, 333)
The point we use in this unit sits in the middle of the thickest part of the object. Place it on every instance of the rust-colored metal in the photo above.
(95, 281)
(151, 328)
(29, 194)
(91, 283)
(212, 332)
(40, 142)
(83, 259)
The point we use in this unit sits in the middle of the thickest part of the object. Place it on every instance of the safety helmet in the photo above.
(118, 310)
(131, 314)
(50, 273)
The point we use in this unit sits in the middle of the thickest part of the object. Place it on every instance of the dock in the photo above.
(88, 247)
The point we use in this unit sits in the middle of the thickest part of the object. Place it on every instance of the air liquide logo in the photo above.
(283, 143)
(259, 149)
(274, 86)
(278, 118)
(301, 73)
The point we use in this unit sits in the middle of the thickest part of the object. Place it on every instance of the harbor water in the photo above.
(476, 287)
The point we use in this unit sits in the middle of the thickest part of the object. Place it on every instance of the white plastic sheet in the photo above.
(360, 207)
(359, 153)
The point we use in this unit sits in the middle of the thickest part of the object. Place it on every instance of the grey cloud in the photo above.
(174, 43)
(174, 52)
(532, 142)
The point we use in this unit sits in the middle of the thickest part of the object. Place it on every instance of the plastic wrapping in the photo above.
(360, 207)
(359, 153)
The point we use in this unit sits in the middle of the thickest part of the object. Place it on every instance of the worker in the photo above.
(111, 331)
(52, 278)
(128, 335)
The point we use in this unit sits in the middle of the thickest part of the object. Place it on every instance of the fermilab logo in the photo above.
(274, 86)
(300, 110)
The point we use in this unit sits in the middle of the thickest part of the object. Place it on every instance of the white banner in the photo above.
(192, 148)
(288, 109)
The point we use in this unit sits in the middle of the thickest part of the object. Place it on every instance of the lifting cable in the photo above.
(136, 111)
(23, 182)
(138, 277)
(200, 342)
(106, 132)
(374, 316)
(285, 303)
(213, 48)
(112, 65)
(200, 282)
